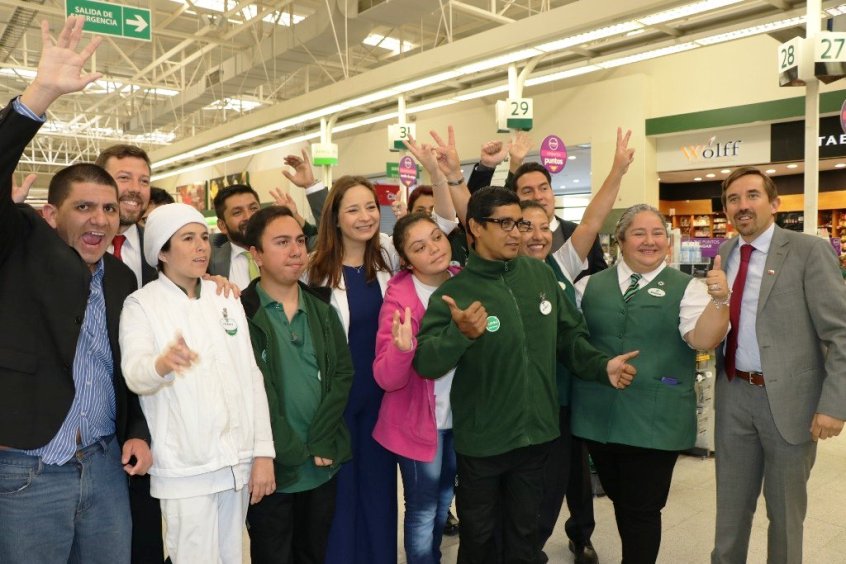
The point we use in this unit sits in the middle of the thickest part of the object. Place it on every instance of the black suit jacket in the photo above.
(44, 286)
(148, 272)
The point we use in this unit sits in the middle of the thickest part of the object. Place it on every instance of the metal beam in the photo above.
(479, 12)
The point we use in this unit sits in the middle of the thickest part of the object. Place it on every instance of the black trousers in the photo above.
(502, 489)
(567, 473)
(292, 528)
(147, 542)
(637, 481)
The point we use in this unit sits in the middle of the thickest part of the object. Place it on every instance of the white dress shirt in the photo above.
(748, 355)
(131, 252)
(239, 267)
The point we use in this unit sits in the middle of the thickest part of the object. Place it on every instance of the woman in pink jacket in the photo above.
(415, 419)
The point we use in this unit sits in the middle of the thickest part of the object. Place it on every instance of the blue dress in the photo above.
(364, 529)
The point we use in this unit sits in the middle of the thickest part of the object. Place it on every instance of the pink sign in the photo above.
(553, 154)
(407, 171)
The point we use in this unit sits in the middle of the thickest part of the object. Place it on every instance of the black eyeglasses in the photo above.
(507, 224)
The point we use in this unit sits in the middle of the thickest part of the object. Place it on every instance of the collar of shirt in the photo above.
(268, 302)
(236, 251)
(624, 275)
(554, 223)
(761, 242)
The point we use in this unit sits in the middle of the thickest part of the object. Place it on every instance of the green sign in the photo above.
(111, 19)
(392, 170)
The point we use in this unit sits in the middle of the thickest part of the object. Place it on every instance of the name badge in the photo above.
(228, 324)
(657, 292)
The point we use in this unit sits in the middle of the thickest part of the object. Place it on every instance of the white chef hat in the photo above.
(162, 223)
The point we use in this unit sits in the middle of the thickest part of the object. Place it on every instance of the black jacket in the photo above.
(44, 286)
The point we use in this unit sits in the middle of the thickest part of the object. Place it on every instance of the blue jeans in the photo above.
(428, 489)
(76, 512)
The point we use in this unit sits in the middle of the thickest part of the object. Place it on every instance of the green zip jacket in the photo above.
(328, 436)
(504, 394)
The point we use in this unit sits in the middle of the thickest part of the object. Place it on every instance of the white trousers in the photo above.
(206, 529)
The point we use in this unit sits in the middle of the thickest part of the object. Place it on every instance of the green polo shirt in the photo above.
(299, 381)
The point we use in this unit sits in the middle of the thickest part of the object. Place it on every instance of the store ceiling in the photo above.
(215, 67)
(773, 169)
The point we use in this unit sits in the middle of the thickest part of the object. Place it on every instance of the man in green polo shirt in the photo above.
(307, 393)
(501, 322)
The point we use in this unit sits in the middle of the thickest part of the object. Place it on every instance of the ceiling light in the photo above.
(576, 180)
(792, 165)
(234, 104)
(158, 91)
(698, 178)
(725, 171)
(569, 73)
(710, 175)
(754, 30)
(395, 46)
(499, 61)
(686, 11)
(571, 158)
(836, 11)
(770, 171)
(21, 73)
(482, 93)
(645, 56)
(247, 12)
(840, 165)
(582, 38)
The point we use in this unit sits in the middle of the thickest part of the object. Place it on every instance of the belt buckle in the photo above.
(752, 376)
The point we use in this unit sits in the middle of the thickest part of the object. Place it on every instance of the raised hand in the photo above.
(427, 156)
(399, 208)
(401, 331)
(60, 69)
(176, 358)
(472, 321)
(623, 155)
(281, 198)
(448, 160)
(19, 193)
(620, 372)
(520, 146)
(303, 176)
(716, 281)
(493, 153)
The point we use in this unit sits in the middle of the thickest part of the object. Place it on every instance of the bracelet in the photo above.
(458, 182)
(440, 183)
(723, 302)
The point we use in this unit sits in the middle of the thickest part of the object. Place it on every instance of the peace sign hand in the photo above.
(472, 321)
(401, 331)
(623, 155)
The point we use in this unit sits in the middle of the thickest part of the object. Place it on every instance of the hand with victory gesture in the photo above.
(448, 160)
(620, 372)
(60, 66)
(472, 321)
(401, 331)
(176, 358)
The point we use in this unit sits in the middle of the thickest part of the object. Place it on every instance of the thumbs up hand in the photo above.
(620, 372)
(716, 281)
(472, 321)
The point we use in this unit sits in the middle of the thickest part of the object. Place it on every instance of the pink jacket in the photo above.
(406, 424)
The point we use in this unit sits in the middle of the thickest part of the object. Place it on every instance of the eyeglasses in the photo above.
(507, 224)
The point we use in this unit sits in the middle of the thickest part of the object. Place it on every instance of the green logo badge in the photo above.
(493, 324)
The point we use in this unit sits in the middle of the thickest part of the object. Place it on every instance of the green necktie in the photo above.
(252, 267)
(632, 289)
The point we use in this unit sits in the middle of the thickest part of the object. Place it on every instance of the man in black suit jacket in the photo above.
(70, 431)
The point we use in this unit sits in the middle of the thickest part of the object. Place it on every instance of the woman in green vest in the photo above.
(634, 435)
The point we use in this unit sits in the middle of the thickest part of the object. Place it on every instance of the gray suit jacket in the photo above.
(801, 330)
(222, 249)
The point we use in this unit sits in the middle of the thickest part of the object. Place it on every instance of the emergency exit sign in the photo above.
(112, 19)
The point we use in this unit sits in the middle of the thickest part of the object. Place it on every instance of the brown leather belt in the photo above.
(754, 378)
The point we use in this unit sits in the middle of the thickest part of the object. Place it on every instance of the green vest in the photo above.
(562, 375)
(658, 410)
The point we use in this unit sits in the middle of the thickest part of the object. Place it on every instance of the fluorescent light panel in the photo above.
(395, 46)
(686, 11)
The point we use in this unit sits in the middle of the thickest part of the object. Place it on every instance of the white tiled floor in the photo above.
(689, 517)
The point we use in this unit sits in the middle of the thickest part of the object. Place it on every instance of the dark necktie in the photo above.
(117, 243)
(633, 286)
(734, 308)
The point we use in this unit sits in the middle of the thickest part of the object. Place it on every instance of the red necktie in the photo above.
(117, 243)
(734, 308)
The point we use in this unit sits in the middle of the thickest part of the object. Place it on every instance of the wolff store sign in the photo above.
(714, 148)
